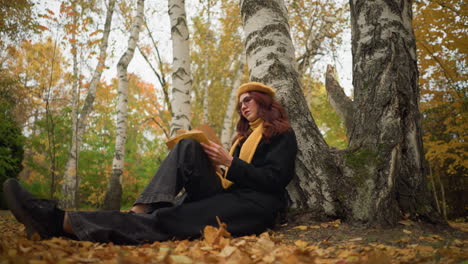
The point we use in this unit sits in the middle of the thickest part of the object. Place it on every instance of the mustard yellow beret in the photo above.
(255, 86)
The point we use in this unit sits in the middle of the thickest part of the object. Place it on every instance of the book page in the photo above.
(201, 134)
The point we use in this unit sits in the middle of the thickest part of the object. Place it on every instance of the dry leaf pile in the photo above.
(217, 246)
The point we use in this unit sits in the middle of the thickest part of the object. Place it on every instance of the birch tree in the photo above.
(114, 192)
(181, 75)
(71, 179)
(206, 82)
(271, 60)
(381, 176)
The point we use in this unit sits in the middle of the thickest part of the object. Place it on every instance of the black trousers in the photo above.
(187, 166)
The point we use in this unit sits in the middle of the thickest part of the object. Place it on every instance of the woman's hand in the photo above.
(217, 154)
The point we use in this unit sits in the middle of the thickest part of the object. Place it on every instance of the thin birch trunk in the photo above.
(71, 169)
(205, 85)
(206, 81)
(28, 153)
(270, 58)
(114, 191)
(434, 191)
(181, 75)
(226, 133)
(442, 194)
(71, 180)
(51, 128)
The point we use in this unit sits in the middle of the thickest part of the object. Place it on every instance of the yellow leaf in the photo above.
(458, 243)
(404, 240)
(12, 252)
(406, 231)
(210, 234)
(301, 244)
(181, 259)
(266, 244)
(35, 237)
(227, 251)
(405, 222)
(303, 228)
(34, 261)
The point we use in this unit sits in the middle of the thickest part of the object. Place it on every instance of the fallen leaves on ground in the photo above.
(217, 246)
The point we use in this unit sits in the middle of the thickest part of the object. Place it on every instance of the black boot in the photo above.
(39, 216)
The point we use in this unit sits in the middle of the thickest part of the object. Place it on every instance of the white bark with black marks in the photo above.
(114, 192)
(71, 179)
(382, 174)
(384, 167)
(71, 168)
(270, 58)
(181, 75)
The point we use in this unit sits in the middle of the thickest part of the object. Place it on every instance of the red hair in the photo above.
(275, 120)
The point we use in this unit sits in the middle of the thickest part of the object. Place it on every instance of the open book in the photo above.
(202, 134)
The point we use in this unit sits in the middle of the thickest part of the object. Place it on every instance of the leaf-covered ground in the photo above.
(300, 241)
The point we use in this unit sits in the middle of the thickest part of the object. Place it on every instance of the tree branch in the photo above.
(450, 79)
(161, 79)
(343, 105)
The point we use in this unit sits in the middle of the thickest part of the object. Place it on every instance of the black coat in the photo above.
(251, 204)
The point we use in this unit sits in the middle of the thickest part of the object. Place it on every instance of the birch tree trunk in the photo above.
(114, 191)
(434, 191)
(226, 133)
(270, 58)
(385, 161)
(382, 174)
(71, 169)
(181, 75)
(206, 81)
(71, 180)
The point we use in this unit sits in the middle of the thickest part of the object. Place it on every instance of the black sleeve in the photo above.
(276, 169)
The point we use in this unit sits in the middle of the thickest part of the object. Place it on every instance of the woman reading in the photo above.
(244, 188)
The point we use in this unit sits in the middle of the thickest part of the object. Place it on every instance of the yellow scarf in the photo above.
(247, 150)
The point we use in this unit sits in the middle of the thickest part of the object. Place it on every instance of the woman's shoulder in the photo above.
(287, 135)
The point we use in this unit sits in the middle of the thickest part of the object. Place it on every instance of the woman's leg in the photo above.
(139, 208)
(39, 216)
(66, 225)
(187, 166)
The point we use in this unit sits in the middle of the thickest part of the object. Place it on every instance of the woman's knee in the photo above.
(188, 143)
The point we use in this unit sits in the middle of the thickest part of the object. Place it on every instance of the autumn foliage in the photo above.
(442, 49)
(297, 244)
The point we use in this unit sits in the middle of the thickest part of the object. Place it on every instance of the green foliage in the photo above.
(326, 118)
(144, 150)
(11, 138)
(216, 49)
(50, 147)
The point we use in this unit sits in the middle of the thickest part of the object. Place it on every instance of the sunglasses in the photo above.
(246, 101)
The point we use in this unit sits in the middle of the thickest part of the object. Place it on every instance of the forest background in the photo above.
(50, 51)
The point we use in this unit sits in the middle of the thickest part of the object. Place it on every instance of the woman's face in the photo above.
(248, 107)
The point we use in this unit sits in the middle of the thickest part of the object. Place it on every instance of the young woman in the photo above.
(244, 188)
